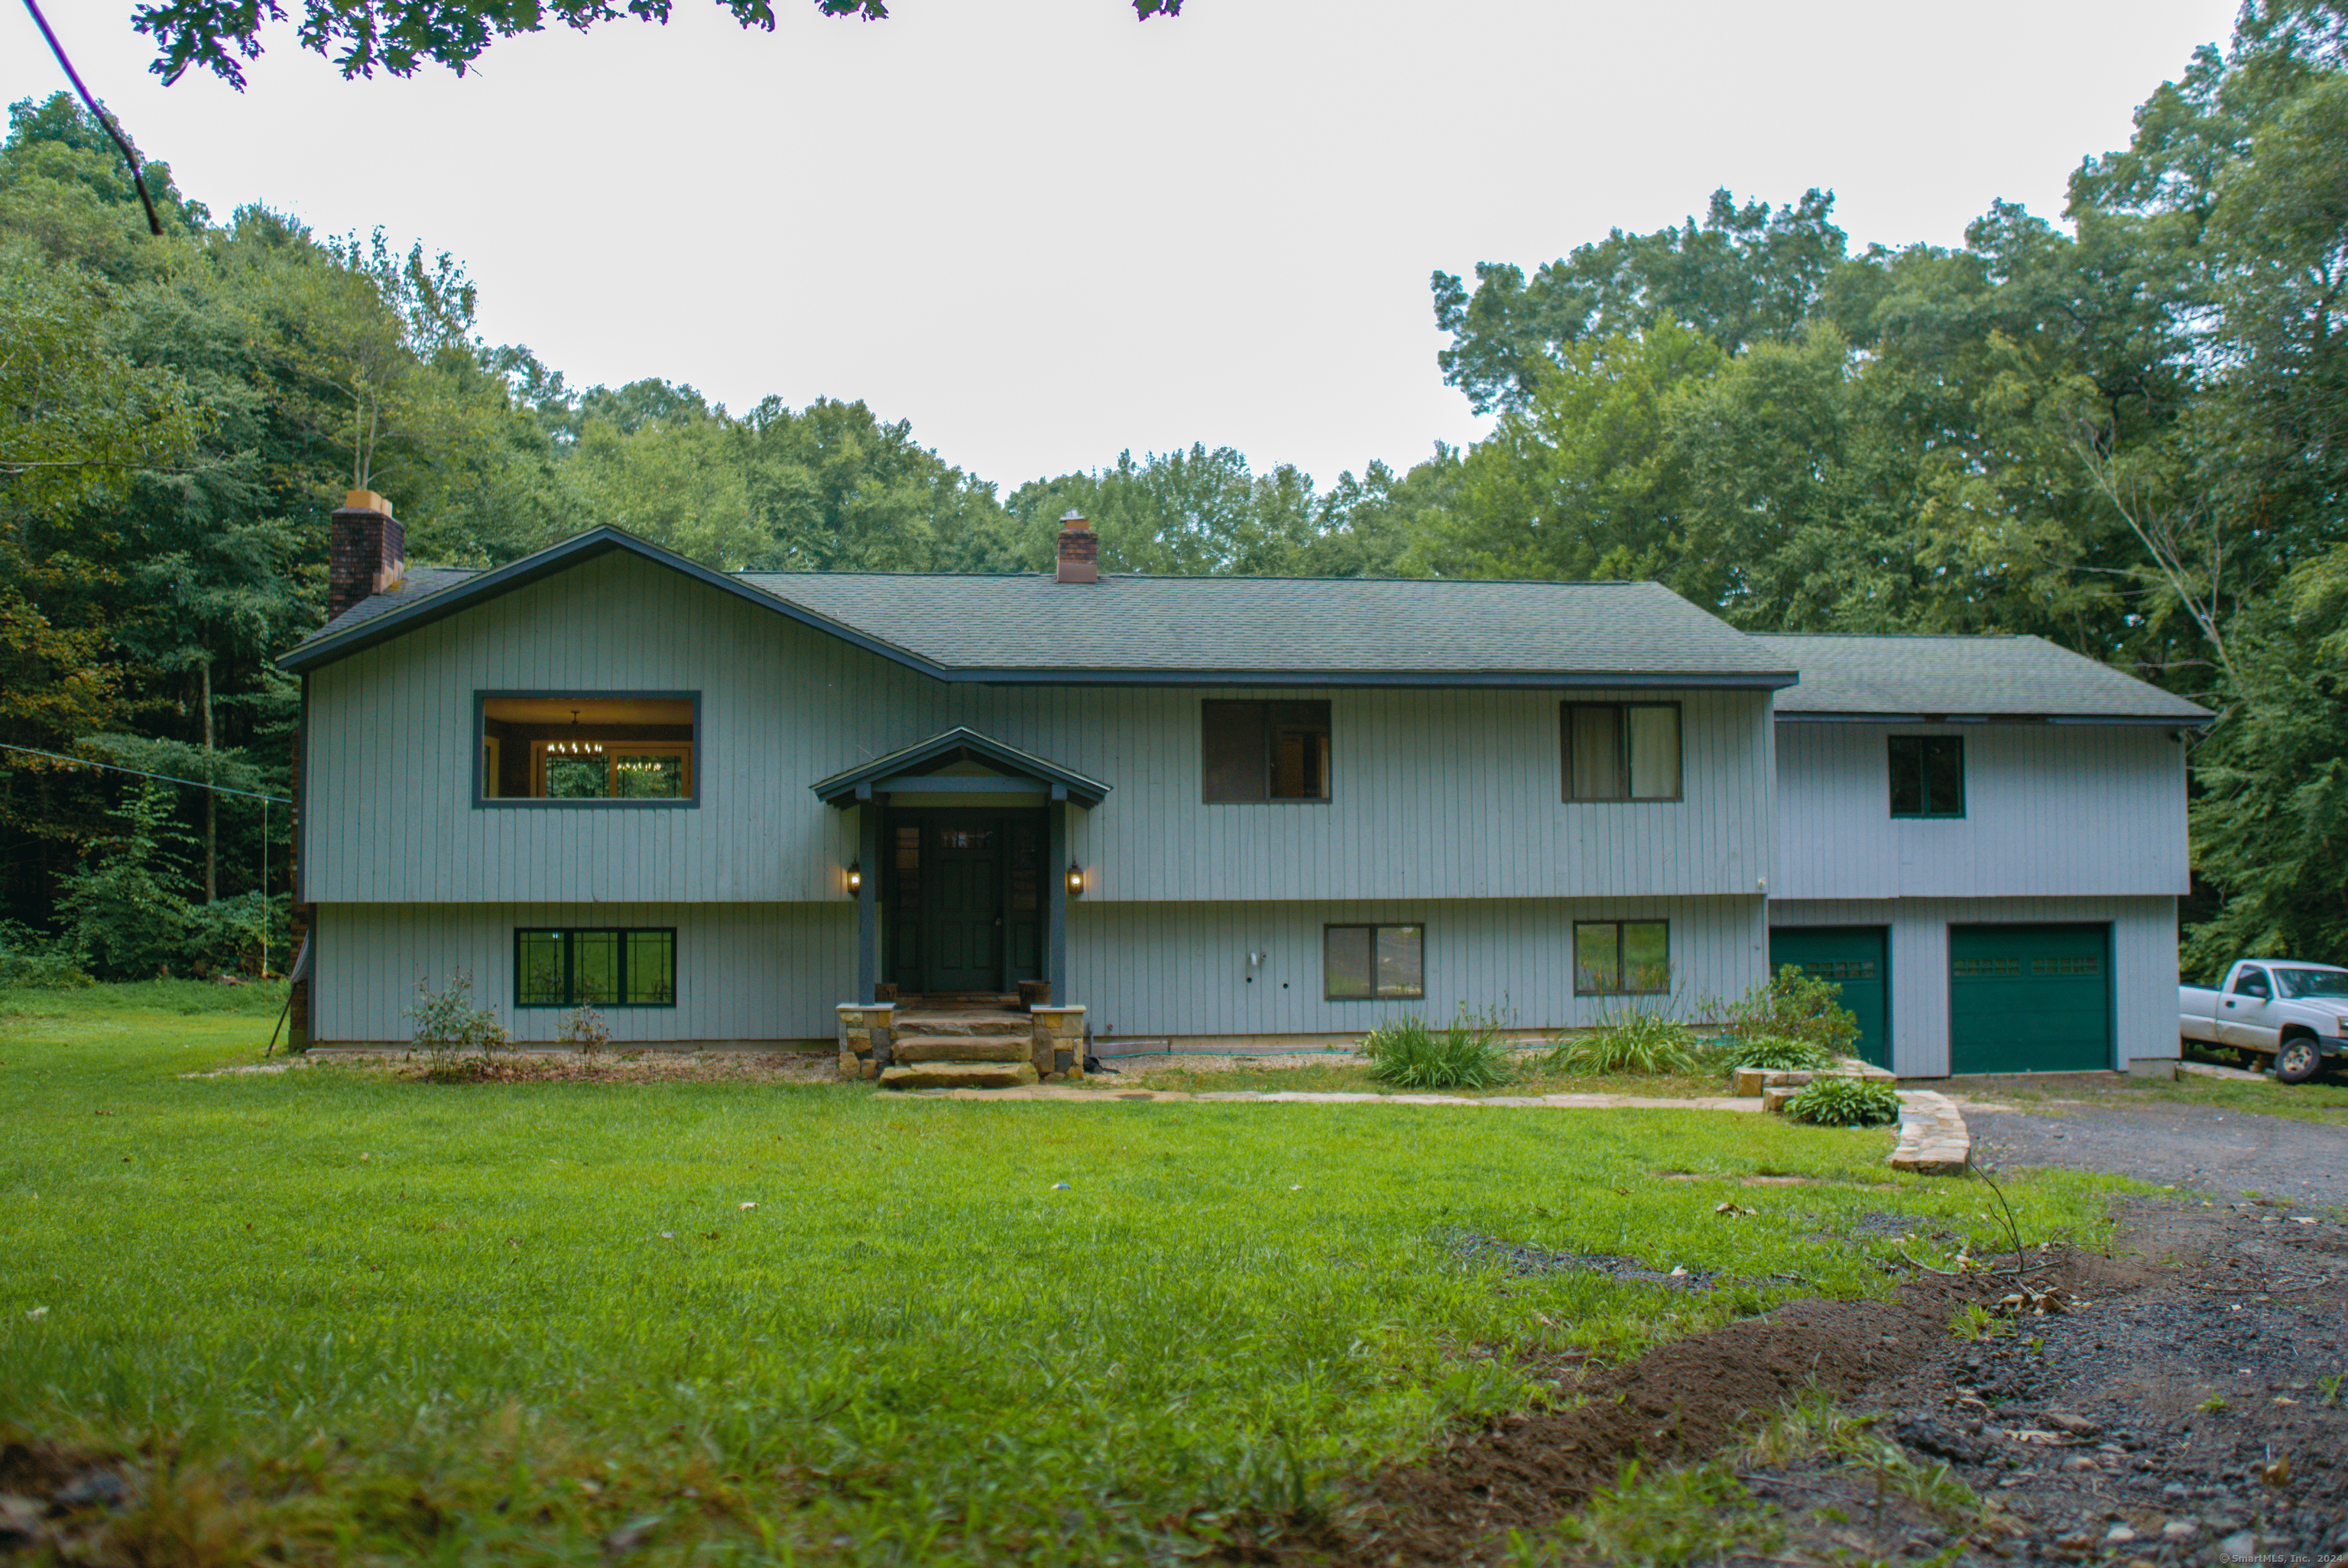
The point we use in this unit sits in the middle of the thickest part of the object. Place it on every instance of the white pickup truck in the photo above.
(2296, 1012)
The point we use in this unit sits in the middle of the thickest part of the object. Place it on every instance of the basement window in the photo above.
(624, 968)
(1373, 963)
(1621, 958)
(1927, 775)
(1264, 752)
(1620, 751)
(588, 749)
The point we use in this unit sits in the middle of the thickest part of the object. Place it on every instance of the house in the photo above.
(719, 805)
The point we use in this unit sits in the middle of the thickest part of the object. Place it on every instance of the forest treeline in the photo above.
(2124, 432)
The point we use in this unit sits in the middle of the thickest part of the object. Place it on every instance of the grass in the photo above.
(335, 1314)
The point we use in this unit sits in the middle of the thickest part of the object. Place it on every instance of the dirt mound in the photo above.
(1681, 1400)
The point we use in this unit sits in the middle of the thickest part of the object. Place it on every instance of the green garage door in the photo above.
(2030, 999)
(1854, 958)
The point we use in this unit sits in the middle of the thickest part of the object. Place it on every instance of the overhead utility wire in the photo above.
(142, 773)
(154, 224)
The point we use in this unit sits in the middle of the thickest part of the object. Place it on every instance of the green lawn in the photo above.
(332, 1313)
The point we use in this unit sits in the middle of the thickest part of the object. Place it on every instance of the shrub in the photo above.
(447, 1024)
(583, 1027)
(1793, 1006)
(1780, 1053)
(1846, 1103)
(1629, 1042)
(29, 958)
(1467, 1054)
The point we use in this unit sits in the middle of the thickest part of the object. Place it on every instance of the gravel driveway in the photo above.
(2221, 1152)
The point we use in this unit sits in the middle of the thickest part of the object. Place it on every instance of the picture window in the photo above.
(587, 749)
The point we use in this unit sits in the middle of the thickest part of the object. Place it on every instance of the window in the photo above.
(1927, 775)
(1986, 969)
(1373, 963)
(602, 968)
(1621, 958)
(1622, 751)
(1264, 752)
(2253, 983)
(588, 748)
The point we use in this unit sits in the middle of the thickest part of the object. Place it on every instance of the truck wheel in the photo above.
(2299, 1060)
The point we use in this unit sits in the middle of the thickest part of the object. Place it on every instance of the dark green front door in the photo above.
(962, 905)
(1855, 957)
(2030, 999)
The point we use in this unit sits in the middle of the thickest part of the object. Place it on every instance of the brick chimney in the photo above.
(367, 550)
(1079, 550)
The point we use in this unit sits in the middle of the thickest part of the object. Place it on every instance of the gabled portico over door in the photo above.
(953, 835)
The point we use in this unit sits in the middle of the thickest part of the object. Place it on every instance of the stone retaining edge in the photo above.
(1933, 1139)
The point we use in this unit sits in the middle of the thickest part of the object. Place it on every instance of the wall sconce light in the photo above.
(855, 877)
(1076, 878)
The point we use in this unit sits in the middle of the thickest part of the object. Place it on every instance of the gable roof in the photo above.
(1027, 628)
(958, 746)
(428, 594)
(1972, 676)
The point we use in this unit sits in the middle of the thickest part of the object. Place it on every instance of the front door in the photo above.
(962, 905)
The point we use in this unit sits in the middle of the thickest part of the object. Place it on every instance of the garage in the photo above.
(2030, 999)
(1855, 957)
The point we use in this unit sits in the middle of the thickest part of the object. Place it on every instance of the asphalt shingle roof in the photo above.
(1238, 625)
(1974, 676)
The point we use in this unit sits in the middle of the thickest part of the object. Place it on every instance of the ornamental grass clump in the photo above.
(1629, 1043)
(1846, 1103)
(1779, 1053)
(1407, 1054)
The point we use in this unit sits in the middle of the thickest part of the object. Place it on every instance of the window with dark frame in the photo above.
(1927, 775)
(1621, 958)
(1373, 963)
(627, 966)
(588, 748)
(1253, 752)
(1620, 751)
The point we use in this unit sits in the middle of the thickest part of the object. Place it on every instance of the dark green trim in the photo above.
(570, 975)
(1892, 771)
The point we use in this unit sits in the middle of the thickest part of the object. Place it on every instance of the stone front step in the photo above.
(959, 1075)
(933, 1025)
(963, 1048)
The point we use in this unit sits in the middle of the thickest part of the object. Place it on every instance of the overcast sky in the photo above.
(1044, 231)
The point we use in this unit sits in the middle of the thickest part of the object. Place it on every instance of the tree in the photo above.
(1746, 275)
(400, 36)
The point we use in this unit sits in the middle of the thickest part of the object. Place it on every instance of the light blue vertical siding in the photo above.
(2144, 963)
(1438, 793)
(1181, 969)
(745, 971)
(2050, 810)
(775, 972)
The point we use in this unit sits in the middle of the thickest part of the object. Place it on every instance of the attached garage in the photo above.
(1856, 957)
(2030, 999)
